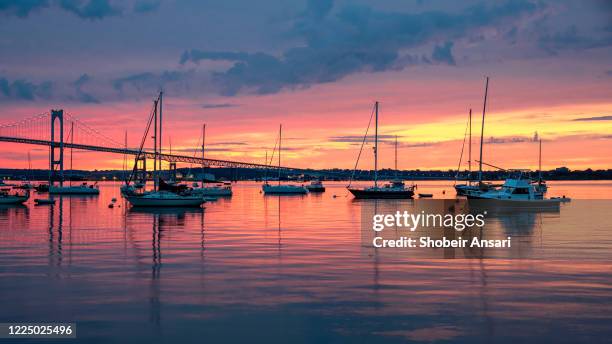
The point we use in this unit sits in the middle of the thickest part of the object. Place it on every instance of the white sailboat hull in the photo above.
(163, 199)
(284, 189)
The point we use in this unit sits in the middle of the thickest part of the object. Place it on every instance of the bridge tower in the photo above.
(56, 161)
(141, 169)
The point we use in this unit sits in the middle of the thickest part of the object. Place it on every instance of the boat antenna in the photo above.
(365, 136)
(540, 163)
(376, 148)
(484, 109)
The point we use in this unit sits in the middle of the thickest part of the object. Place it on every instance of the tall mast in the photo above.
(376, 148)
(470, 148)
(484, 109)
(125, 158)
(155, 102)
(280, 138)
(161, 93)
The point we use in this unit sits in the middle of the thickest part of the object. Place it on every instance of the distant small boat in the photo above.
(316, 186)
(425, 195)
(41, 201)
(8, 198)
(42, 188)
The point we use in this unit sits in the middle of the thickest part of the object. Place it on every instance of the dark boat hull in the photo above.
(316, 189)
(382, 194)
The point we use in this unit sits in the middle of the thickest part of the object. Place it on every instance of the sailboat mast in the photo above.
(376, 148)
(280, 139)
(161, 93)
(484, 109)
(203, 144)
(155, 102)
(470, 148)
(125, 157)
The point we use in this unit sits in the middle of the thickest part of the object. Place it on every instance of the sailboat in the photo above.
(219, 189)
(27, 184)
(475, 186)
(282, 189)
(396, 189)
(82, 189)
(163, 195)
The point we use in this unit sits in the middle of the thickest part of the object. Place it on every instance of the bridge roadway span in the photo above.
(149, 155)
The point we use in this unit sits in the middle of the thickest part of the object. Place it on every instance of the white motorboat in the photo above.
(83, 189)
(515, 191)
(7, 198)
(164, 199)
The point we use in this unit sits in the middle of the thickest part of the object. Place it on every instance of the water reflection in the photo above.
(296, 268)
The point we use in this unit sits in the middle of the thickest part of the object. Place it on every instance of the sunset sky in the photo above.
(242, 67)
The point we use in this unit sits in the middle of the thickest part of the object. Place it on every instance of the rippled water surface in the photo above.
(294, 269)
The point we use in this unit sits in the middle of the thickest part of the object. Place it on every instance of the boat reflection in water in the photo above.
(500, 223)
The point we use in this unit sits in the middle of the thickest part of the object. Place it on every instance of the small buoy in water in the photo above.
(114, 200)
(334, 196)
(111, 205)
(443, 192)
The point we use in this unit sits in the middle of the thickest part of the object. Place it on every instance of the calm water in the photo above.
(294, 269)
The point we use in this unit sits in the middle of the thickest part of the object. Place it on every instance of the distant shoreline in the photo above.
(237, 174)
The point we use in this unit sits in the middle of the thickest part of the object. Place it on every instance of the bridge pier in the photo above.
(56, 168)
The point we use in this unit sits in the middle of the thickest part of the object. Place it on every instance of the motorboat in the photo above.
(515, 191)
(315, 186)
(395, 189)
(6, 197)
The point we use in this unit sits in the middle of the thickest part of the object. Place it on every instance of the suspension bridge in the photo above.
(43, 130)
